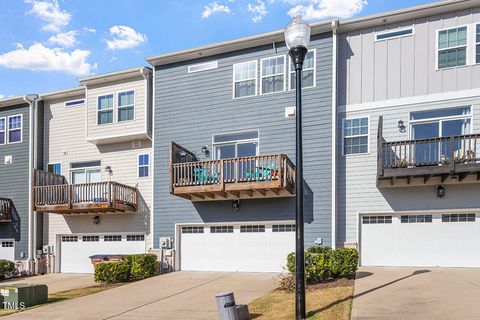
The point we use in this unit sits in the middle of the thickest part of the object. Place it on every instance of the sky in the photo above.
(47, 45)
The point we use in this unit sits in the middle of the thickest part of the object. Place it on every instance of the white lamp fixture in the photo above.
(297, 33)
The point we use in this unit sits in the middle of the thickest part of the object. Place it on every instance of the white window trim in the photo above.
(440, 120)
(123, 107)
(362, 135)
(216, 144)
(98, 111)
(235, 81)
(138, 165)
(290, 71)
(8, 129)
(54, 163)
(285, 61)
(77, 105)
(475, 43)
(70, 171)
(467, 51)
(210, 65)
(394, 30)
(4, 130)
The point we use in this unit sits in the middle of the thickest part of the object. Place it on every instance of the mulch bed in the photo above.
(331, 284)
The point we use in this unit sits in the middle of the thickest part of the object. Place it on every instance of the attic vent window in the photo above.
(203, 66)
(74, 103)
(393, 34)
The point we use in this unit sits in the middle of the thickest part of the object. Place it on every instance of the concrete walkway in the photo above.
(57, 282)
(179, 295)
(417, 293)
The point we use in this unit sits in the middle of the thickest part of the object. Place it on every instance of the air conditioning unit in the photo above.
(166, 242)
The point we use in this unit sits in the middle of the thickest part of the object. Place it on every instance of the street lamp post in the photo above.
(297, 38)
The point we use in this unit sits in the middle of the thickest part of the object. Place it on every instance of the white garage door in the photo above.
(7, 250)
(445, 240)
(76, 249)
(251, 248)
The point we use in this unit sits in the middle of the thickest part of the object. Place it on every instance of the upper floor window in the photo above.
(15, 129)
(143, 165)
(203, 66)
(55, 168)
(2, 130)
(73, 103)
(126, 106)
(105, 109)
(477, 42)
(355, 135)
(308, 71)
(452, 47)
(272, 75)
(245, 79)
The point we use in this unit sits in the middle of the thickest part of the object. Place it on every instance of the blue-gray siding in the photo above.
(14, 183)
(190, 108)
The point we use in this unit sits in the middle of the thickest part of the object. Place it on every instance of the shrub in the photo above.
(112, 272)
(142, 266)
(344, 262)
(6, 268)
(287, 282)
(323, 263)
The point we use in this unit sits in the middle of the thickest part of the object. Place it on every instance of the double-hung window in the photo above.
(143, 165)
(126, 106)
(245, 79)
(272, 75)
(105, 109)
(355, 135)
(452, 47)
(3, 128)
(55, 168)
(15, 129)
(308, 71)
(477, 43)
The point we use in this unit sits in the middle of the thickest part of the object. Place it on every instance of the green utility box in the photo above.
(21, 296)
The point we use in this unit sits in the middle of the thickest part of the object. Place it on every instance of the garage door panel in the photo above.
(252, 251)
(436, 243)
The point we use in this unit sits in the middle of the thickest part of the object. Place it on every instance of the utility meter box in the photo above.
(21, 296)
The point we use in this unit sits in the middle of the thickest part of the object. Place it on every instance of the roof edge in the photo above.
(62, 93)
(111, 76)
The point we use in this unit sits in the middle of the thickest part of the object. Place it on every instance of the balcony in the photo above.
(433, 161)
(266, 176)
(5, 210)
(84, 198)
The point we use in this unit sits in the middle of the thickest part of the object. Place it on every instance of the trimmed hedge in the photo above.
(6, 268)
(135, 267)
(323, 263)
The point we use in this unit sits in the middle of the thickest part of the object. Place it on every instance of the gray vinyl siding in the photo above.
(14, 183)
(190, 108)
(403, 67)
(357, 191)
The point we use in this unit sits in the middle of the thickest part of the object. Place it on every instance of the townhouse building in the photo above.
(408, 127)
(224, 144)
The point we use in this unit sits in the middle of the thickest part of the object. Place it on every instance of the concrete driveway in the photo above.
(179, 295)
(57, 282)
(417, 293)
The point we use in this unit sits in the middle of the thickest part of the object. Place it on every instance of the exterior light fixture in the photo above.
(205, 151)
(297, 39)
(401, 126)
(441, 191)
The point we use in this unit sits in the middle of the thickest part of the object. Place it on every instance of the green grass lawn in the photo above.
(66, 295)
(326, 301)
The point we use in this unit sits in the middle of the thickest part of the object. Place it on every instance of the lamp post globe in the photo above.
(297, 39)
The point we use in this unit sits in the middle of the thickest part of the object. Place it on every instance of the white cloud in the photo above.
(66, 39)
(214, 8)
(321, 9)
(124, 37)
(258, 11)
(2, 96)
(89, 30)
(51, 13)
(40, 58)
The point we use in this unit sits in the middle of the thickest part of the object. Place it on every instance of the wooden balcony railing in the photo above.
(86, 198)
(5, 210)
(443, 157)
(235, 178)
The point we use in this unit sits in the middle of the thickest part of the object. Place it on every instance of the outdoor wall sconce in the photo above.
(205, 151)
(109, 170)
(96, 220)
(440, 191)
(401, 126)
(236, 205)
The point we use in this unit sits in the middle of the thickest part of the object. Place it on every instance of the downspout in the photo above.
(31, 261)
(334, 132)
